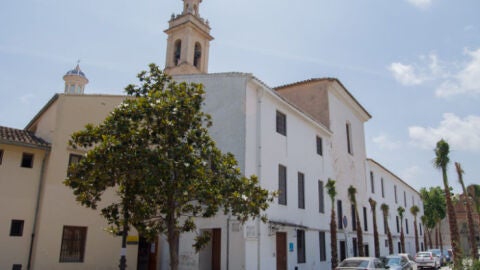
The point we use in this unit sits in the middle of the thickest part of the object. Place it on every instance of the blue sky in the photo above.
(413, 64)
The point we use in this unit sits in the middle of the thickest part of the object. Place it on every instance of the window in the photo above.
(321, 198)
(399, 247)
(1, 156)
(354, 218)
(405, 199)
(16, 227)
(177, 53)
(282, 185)
(301, 246)
(420, 227)
(319, 146)
(339, 215)
(355, 247)
(281, 123)
(383, 190)
(395, 191)
(398, 225)
(73, 244)
(349, 138)
(27, 160)
(385, 222)
(406, 225)
(386, 243)
(372, 183)
(17, 267)
(323, 250)
(197, 55)
(301, 190)
(365, 222)
(74, 159)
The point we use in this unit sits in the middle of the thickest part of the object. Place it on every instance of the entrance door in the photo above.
(343, 251)
(216, 249)
(281, 250)
(147, 255)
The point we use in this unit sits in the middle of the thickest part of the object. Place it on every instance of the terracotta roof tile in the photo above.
(21, 136)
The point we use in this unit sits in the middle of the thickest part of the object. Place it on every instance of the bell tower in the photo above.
(188, 41)
(75, 81)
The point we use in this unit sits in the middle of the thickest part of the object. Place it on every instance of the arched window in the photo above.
(195, 10)
(177, 52)
(197, 55)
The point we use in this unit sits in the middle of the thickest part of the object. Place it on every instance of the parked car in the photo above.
(410, 259)
(427, 259)
(438, 252)
(397, 262)
(447, 256)
(369, 263)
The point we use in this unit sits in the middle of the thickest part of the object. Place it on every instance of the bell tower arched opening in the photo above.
(197, 55)
(177, 53)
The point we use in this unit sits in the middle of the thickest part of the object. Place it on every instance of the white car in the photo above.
(427, 259)
(369, 263)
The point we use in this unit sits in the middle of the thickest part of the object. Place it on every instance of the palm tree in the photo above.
(400, 211)
(414, 210)
(352, 191)
(333, 224)
(471, 228)
(440, 162)
(373, 206)
(385, 209)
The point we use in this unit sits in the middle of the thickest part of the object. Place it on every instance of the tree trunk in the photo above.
(471, 228)
(417, 246)
(440, 236)
(402, 239)
(389, 234)
(375, 233)
(452, 220)
(333, 240)
(430, 239)
(361, 250)
(173, 236)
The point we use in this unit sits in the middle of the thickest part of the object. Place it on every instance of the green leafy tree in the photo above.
(332, 193)
(154, 150)
(414, 211)
(352, 192)
(435, 205)
(471, 228)
(385, 209)
(373, 208)
(441, 161)
(401, 211)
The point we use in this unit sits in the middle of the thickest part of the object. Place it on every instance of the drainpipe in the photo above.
(37, 206)
(259, 164)
(228, 241)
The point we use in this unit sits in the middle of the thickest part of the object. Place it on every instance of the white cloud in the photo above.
(461, 134)
(26, 99)
(420, 3)
(384, 142)
(405, 74)
(466, 81)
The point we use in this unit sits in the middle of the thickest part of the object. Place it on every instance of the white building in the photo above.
(294, 138)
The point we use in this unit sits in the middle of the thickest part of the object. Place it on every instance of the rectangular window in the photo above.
(281, 123)
(339, 215)
(27, 160)
(372, 182)
(323, 249)
(365, 221)
(321, 198)
(383, 190)
(282, 185)
(349, 138)
(73, 244)
(1, 156)
(395, 191)
(354, 218)
(398, 225)
(74, 159)
(385, 221)
(301, 258)
(420, 227)
(406, 225)
(386, 243)
(301, 190)
(405, 199)
(16, 227)
(17, 267)
(355, 247)
(319, 146)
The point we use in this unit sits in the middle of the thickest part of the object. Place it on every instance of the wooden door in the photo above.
(281, 250)
(216, 249)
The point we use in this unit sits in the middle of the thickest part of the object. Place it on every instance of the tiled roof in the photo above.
(20, 136)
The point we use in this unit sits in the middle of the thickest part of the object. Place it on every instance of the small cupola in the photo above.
(75, 81)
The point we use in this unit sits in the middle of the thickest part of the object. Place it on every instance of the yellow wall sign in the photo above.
(132, 239)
